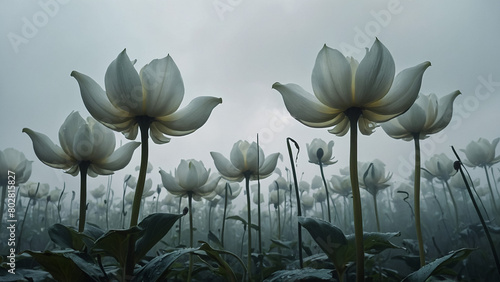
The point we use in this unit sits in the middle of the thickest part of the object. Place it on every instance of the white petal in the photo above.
(123, 86)
(225, 167)
(394, 129)
(68, 130)
(374, 75)
(445, 112)
(342, 127)
(120, 158)
(98, 104)
(189, 118)
(401, 96)
(331, 79)
(269, 165)
(170, 184)
(156, 135)
(163, 87)
(83, 144)
(305, 107)
(47, 152)
(104, 139)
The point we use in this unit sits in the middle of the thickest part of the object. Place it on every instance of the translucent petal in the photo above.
(119, 158)
(342, 127)
(156, 135)
(123, 86)
(104, 139)
(331, 79)
(47, 152)
(189, 118)
(83, 144)
(394, 129)
(162, 86)
(68, 130)
(366, 127)
(225, 167)
(98, 104)
(305, 107)
(170, 184)
(401, 96)
(269, 165)
(239, 155)
(374, 75)
(445, 112)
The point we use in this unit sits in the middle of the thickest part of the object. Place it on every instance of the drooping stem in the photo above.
(299, 207)
(83, 195)
(190, 200)
(353, 114)
(458, 166)
(136, 206)
(492, 197)
(416, 200)
(249, 222)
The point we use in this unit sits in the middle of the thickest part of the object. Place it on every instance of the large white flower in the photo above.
(150, 98)
(481, 153)
(14, 161)
(426, 116)
(82, 142)
(343, 87)
(244, 163)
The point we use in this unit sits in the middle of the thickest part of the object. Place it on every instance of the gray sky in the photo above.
(236, 49)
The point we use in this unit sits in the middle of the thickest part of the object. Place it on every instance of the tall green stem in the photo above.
(353, 114)
(136, 206)
(83, 195)
(416, 200)
(376, 211)
(299, 207)
(249, 223)
(326, 186)
(224, 215)
(453, 202)
(190, 200)
(491, 190)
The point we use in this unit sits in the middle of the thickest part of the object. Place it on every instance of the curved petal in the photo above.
(239, 154)
(98, 104)
(394, 129)
(401, 96)
(305, 107)
(445, 112)
(366, 127)
(225, 167)
(68, 130)
(374, 75)
(342, 127)
(162, 87)
(189, 118)
(48, 152)
(119, 158)
(331, 79)
(269, 165)
(104, 139)
(209, 186)
(170, 184)
(414, 119)
(156, 134)
(123, 86)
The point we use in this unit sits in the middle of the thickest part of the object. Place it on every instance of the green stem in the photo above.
(24, 217)
(136, 206)
(416, 200)
(491, 190)
(299, 207)
(83, 195)
(249, 223)
(354, 114)
(376, 211)
(326, 190)
(224, 215)
(453, 202)
(190, 200)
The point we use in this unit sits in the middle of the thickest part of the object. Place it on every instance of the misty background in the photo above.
(236, 50)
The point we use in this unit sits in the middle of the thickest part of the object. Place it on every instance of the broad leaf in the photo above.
(156, 269)
(68, 265)
(305, 274)
(212, 237)
(154, 228)
(441, 265)
(224, 269)
(283, 244)
(66, 237)
(115, 243)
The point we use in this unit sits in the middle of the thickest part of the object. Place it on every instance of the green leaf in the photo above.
(67, 237)
(156, 269)
(304, 274)
(330, 239)
(115, 243)
(239, 218)
(376, 242)
(283, 244)
(212, 237)
(154, 228)
(441, 265)
(68, 265)
(224, 269)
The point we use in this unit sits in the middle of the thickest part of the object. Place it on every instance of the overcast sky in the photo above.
(236, 49)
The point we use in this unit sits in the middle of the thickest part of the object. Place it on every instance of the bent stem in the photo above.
(83, 195)
(297, 194)
(416, 201)
(353, 114)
